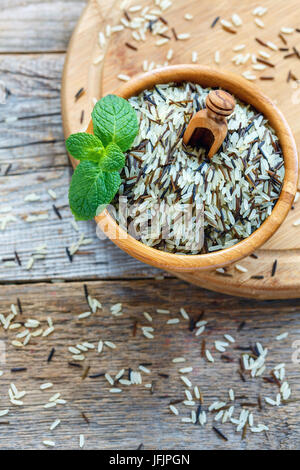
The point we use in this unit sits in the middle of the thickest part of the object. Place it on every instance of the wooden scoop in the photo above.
(208, 127)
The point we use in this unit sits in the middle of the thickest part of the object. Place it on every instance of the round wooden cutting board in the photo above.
(99, 79)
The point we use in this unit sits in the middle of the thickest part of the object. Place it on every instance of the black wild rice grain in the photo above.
(127, 16)
(86, 292)
(82, 116)
(241, 325)
(200, 316)
(265, 62)
(215, 22)
(19, 306)
(255, 351)
(162, 35)
(220, 434)
(203, 347)
(249, 404)
(274, 268)
(266, 78)
(151, 23)
(163, 20)
(199, 409)
(4, 423)
(131, 46)
(287, 56)
(293, 76)
(69, 254)
(296, 52)
(18, 369)
(162, 96)
(244, 431)
(281, 36)
(56, 211)
(259, 402)
(242, 376)
(192, 324)
(75, 364)
(79, 93)
(7, 169)
(84, 416)
(269, 380)
(85, 372)
(229, 29)
(51, 354)
(134, 328)
(140, 447)
(165, 376)
(18, 259)
(174, 34)
(176, 402)
(254, 256)
(257, 277)
(278, 383)
(129, 373)
(147, 98)
(262, 43)
(227, 358)
(95, 376)
(225, 407)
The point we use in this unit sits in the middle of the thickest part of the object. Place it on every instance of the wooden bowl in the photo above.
(248, 93)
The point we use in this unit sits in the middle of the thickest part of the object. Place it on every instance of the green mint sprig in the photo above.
(96, 179)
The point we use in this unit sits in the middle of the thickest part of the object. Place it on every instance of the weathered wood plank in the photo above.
(37, 25)
(98, 259)
(125, 420)
(35, 140)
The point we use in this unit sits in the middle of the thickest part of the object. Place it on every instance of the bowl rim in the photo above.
(249, 93)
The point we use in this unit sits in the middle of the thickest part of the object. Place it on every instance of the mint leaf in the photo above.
(113, 158)
(91, 187)
(96, 179)
(83, 146)
(115, 120)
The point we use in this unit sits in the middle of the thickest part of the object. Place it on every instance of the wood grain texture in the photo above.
(124, 421)
(37, 25)
(121, 422)
(124, 60)
(35, 140)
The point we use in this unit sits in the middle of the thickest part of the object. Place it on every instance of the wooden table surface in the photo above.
(33, 39)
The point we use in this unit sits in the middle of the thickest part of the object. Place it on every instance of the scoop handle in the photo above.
(208, 127)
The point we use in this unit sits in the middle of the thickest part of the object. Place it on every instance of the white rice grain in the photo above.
(209, 356)
(49, 443)
(55, 424)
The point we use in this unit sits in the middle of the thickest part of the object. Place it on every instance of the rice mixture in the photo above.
(237, 188)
